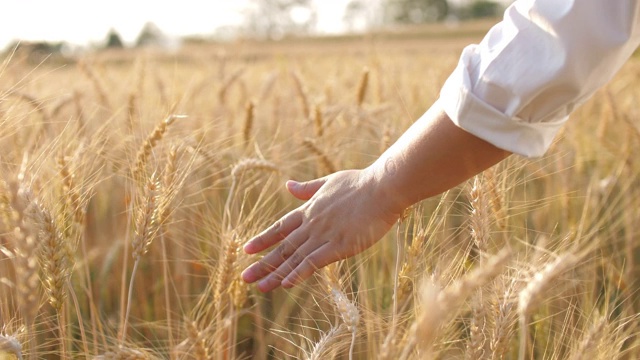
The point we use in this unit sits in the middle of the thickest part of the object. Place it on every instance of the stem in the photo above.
(353, 343)
(79, 316)
(62, 334)
(87, 274)
(167, 299)
(128, 308)
(524, 334)
(125, 264)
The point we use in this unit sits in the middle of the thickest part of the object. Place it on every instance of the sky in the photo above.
(84, 21)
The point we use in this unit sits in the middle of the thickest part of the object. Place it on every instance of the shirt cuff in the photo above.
(477, 117)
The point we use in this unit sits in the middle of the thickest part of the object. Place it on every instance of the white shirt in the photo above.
(519, 85)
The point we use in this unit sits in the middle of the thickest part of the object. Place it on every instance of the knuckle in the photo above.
(284, 250)
(277, 226)
(297, 258)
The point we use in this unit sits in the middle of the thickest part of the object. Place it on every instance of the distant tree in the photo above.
(272, 19)
(355, 15)
(415, 11)
(113, 40)
(150, 35)
(483, 8)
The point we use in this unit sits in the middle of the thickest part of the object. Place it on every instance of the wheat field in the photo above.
(129, 181)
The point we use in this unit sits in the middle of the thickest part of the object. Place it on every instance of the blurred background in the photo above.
(75, 26)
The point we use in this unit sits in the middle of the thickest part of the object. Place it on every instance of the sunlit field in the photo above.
(130, 179)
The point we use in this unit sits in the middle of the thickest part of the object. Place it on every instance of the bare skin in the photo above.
(349, 211)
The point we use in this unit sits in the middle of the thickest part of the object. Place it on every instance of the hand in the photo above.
(345, 214)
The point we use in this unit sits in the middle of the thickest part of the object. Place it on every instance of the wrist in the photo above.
(383, 178)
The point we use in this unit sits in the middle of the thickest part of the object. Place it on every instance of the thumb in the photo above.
(305, 190)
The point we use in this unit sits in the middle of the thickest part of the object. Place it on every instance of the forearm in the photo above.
(432, 156)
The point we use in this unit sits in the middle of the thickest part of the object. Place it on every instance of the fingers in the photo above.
(305, 190)
(275, 278)
(320, 258)
(276, 232)
(274, 258)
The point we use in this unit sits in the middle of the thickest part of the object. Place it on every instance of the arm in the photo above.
(349, 211)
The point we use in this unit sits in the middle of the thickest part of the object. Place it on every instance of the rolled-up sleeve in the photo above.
(518, 86)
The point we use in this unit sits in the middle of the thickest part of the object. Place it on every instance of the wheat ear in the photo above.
(439, 305)
(503, 320)
(123, 353)
(248, 121)
(327, 166)
(362, 87)
(496, 197)
(97, 84)
(10, 346)
(318, 121)
(479, 216)
(591, 338)
(156, 135)
(195, 343)
(226, 84)
(346, 308)
(325, 347)
(147, 228)
(477, 327)
(17, 203)
(301, 91)
(537, 284)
